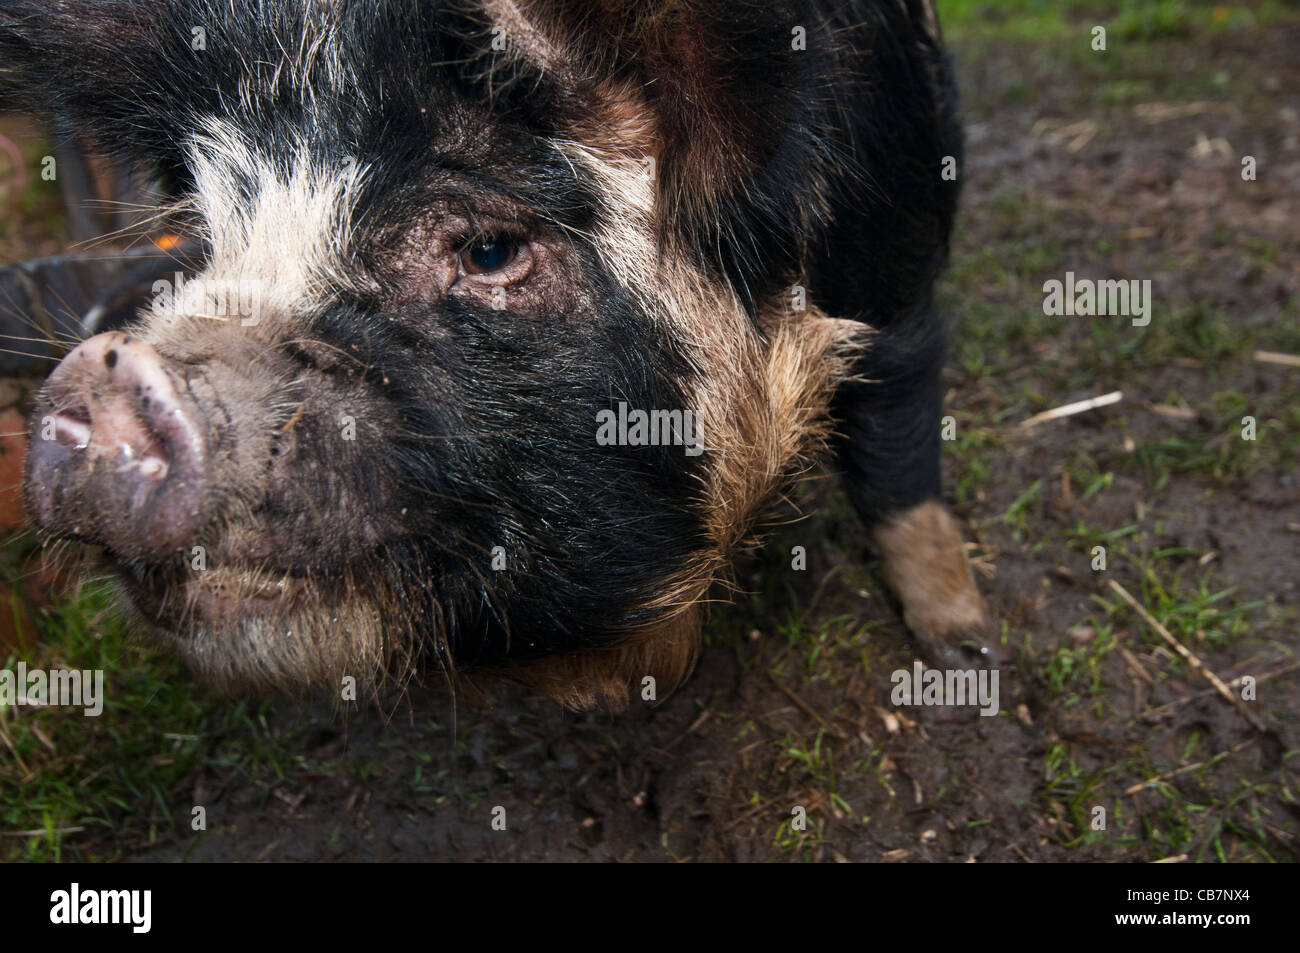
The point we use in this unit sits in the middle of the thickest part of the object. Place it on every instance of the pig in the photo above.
(514, 319)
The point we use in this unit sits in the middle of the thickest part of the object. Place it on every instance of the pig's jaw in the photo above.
(242, 630)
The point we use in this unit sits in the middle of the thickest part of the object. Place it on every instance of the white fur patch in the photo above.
(283, 229)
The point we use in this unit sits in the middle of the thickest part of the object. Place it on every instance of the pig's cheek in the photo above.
(422, 278)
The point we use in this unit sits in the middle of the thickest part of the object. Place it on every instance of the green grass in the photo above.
(1057, 37)
(825, 778)
(1144, 20)
(117, 782)
(1074, 671)
(1200, 612)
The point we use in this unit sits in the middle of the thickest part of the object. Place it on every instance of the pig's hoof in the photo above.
(925, 565)
(954, 635)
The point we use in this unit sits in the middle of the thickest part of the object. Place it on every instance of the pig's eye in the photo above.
(479, 261)
(486, 254)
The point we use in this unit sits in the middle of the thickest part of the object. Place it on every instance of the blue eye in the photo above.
(488, 254)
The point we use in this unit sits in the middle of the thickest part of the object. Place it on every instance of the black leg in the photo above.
(889, 450)
(890, 417)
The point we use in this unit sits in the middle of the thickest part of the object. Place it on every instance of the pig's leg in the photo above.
(889, 450)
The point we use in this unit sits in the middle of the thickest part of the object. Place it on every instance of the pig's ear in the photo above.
(732, 99)
(718, 77)
(722, 80)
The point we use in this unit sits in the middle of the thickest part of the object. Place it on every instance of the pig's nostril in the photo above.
(153, 467)
(120, 434)
(144, 453)
(72, 428)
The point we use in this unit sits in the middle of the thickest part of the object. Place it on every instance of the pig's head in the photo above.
(445, 245)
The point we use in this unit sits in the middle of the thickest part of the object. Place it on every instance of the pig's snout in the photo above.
(118, 454)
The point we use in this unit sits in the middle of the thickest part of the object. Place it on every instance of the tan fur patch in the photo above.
(339, 635)
(761, 393)
(926, 567)
(614, 675)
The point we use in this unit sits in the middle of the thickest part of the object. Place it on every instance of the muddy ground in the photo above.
(1126, 168)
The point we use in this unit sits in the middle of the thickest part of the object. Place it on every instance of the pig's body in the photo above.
(461, 237)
